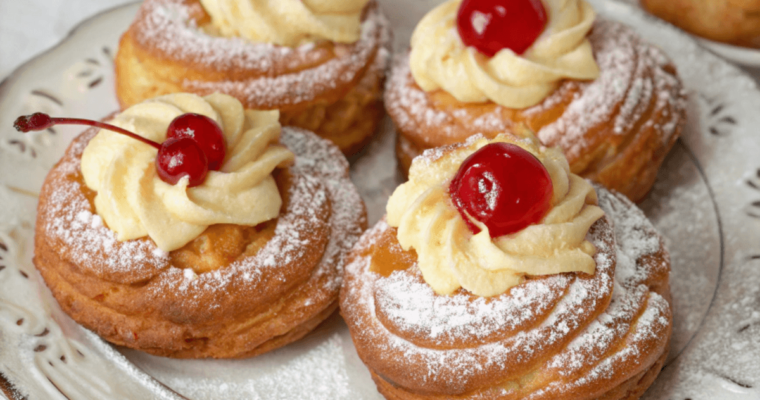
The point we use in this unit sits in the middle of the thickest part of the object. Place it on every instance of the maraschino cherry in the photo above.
(179, 157)
(184, 153)
(204, 131)
(493, 25)
(502, 186)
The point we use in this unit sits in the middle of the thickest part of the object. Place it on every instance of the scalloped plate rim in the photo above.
(17, 72)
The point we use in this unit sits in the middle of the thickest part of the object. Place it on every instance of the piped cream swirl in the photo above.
(287, 22)
(134, 202)
(450, 256)
(440, 60)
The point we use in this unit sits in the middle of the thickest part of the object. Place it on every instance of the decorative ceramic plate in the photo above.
(740, 55)
(706, 203)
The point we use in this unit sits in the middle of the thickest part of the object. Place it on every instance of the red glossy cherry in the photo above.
(493, 25)
(180, 157)
(205, 132)
(502, 186)
(177, 156)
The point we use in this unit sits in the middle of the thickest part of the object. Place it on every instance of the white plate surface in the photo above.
(741, 55)
(706, 203)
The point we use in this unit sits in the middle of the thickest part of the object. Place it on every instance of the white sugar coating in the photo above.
(650, 324)
(623, 59)
(348, 216)
(470, 362)
(314, 158)
(432, 155)
(85, 237)
(635, 237)
(410, 106)
(166, 26)
(614, 322)
(320, 175)
(190, 274)
(318, 372)
(282, 249)
(411, 304)
(412, 307)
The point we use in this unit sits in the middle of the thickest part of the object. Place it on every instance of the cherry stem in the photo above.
(41, 121)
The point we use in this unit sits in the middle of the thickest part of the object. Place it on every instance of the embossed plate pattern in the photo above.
(706, 203)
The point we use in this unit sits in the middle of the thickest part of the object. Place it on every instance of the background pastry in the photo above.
(735, 22)
(244, 261)
(611, 101)
(322, 66)
(573, 306)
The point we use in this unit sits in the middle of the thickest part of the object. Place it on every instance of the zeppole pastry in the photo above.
(499, 274)
(612, 102)
(735, 22)
(321, 63)
(192, 228)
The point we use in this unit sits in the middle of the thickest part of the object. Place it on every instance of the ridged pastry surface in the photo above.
(330, 88)
(568, 336)
(277, 281)
(615, 130)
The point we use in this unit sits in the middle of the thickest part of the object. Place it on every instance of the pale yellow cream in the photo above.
(134, 202)
(450, 256)
(439, 59)
(287, 22)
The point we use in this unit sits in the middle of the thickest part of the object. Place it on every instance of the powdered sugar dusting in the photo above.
(348, 217)
(636, 238)
(316, 367)
(167, 27)
(71, 220)
(265, 75)
(632, 73)
(320, 178)
(410, 106)
(285, 248)
(323, 175)
(412, 306)
(455, 341)
(622, 57)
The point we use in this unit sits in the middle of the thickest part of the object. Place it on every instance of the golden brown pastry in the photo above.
(615, 129)
(548, 335)
(331, 87)
(235, 289)
(735, 22)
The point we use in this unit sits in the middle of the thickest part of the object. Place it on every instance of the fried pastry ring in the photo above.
(233, 292)
(731, 21)
(615, 130)
(332, 89)
(569, 336)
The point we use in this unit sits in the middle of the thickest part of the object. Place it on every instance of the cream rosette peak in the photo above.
(440, 60)
(134, 202)
(450, 256)
(286, 22)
